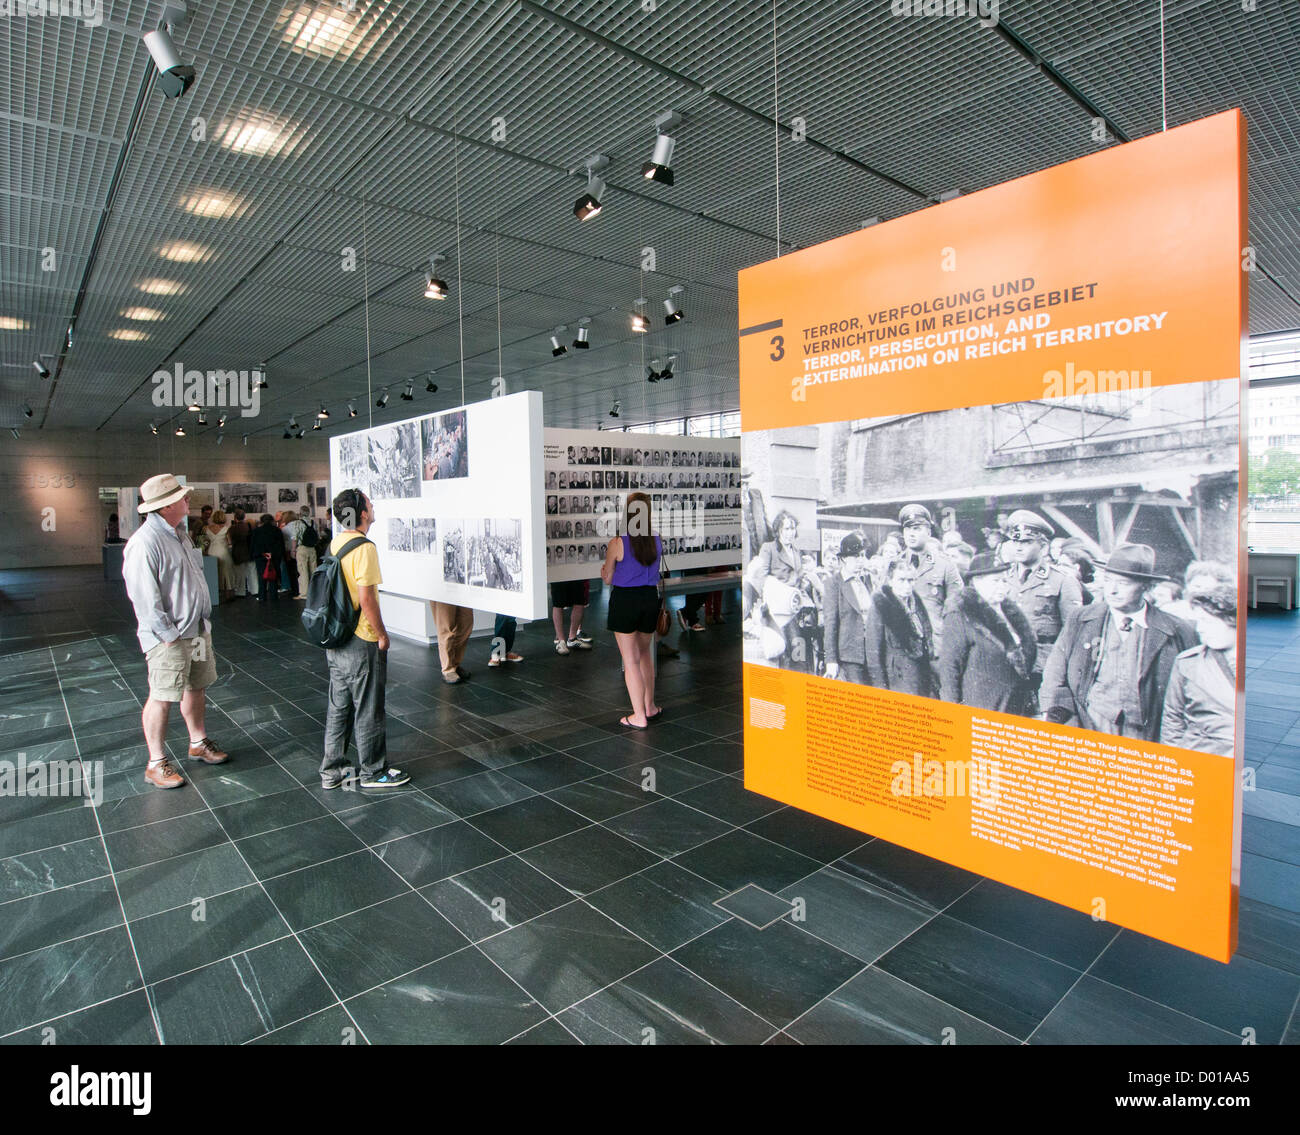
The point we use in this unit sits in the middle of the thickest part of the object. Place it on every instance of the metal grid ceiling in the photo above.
(382, 142)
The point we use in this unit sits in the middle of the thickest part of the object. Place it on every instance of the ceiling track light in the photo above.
(639, 321)
(382, 400)
(203, 418)
(581, 343)
(430, 387)
(589, 204)
(174, 77)
(659, 167)
(245, 439)
(322, 413)
(14, 430)
(41, 369)
(27, 410)
(262, 384)
(435, 288)
(316, 424)
(352, 408)
(287, 434)
(300, 433)
(652, 375)
(221, 421)
(614, 409)
(153, 428)
(194, 408)
(558, 348)
(220, 438)
(408, 395)
(672, 310)
(293, 421)
(667, 372)
(180, 431)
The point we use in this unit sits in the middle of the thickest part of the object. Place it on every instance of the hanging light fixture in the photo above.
(435, 288)
(659, 167)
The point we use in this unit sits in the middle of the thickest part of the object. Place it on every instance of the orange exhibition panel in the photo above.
(993, 498)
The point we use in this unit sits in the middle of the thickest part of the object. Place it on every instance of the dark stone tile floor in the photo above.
(548, 877)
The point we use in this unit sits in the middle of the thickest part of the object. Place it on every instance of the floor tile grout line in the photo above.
(117, 890)
(1074, 984)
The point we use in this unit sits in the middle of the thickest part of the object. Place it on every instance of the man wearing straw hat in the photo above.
(164, 579)
(1110, 668)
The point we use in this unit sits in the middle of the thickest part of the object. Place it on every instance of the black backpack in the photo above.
(309, 538)
(329, 616)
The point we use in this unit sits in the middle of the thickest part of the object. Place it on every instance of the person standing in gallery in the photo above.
(631, 571)
(304, 554)
(163, 572)
(844, 610)
(900, 639)
(241, 555)
(937, 582)
(1200, 702)
(989, 645)
(454, 625)
(359, 668)
(1044, 591)
(1109, 670)
(267, 546)
(218, 547)
(503, 641)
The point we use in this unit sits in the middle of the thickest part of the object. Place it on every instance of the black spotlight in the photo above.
(558, 348)
(652, 375)
(580, 343)
(659, 167)
(41, 368)
(588, 205)
(431, 387)
(408, 395)
(667, 372)
(614, 409)
(382, 400)
(27, 410)
(672, 313)
(352, 409)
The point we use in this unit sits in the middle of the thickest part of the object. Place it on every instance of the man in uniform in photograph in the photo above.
(1045, 592)
(937, 582)
(846, 603)
(1109, 670)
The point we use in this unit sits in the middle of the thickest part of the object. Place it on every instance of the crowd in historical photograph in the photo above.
(495, 555)
(418, 534)
(1025, 619)
(445, 444)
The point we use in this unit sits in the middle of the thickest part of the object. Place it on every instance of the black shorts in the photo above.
(633, 609)
(569, 593)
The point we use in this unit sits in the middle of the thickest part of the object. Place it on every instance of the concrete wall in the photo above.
(63, 470)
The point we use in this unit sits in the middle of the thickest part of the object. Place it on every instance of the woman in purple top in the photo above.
(631, 570)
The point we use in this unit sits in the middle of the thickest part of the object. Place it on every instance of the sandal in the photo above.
(655, 716)
(623, 721)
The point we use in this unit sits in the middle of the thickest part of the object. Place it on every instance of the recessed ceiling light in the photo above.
(128, 334)
(212, 203)
(12, 323)
(323, 29)
(259, 134)
(157, 286)
(143, 314)
(184, 251)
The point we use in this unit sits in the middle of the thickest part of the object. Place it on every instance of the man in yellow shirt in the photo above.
(358, 669)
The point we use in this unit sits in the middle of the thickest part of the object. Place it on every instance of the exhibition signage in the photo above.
(1020, 415)
(458, 503)
(693, 484)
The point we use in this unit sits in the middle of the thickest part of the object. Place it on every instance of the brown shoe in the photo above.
(161, 775)
(208, 753)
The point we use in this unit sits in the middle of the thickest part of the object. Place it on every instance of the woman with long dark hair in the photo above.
(631, 570)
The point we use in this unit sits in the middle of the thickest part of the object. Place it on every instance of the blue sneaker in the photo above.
(389, 778)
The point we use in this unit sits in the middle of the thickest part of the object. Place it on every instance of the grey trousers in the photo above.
(358, 672)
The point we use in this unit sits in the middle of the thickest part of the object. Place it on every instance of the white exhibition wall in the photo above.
(459, 508)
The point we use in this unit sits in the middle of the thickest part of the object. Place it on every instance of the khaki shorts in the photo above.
(186, 664)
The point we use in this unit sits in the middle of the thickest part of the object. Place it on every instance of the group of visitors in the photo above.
(162, 568)
(272, 557)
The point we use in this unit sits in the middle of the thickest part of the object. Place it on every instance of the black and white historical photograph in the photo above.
(1069, 559)
(494, 555)
(354, 463)
(444, 442)
(322, 496)
(249, 497)
(453, 552)
(288, 496)
(413, 534)
(395, 462)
